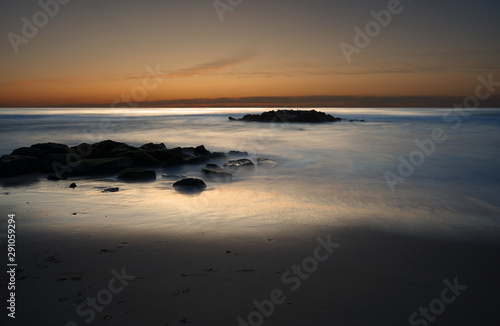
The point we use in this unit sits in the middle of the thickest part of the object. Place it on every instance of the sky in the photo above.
(123, 53)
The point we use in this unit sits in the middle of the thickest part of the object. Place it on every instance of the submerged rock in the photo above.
(261, 161)
(73, 185)
(244, 162)
(216, 172)
(190, 183)
(133, 174)
(111, 189)
(311, 116)
(238, 153)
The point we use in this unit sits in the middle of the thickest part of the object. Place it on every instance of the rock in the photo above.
(12, 165)
(164, 155)
(54, 162)
(244, 162)
(216, 155)
(83, 150)
(133, 174)
(111, 189)
(190, 183)
(110, 148)
(311, 116)
(188, 150)
(73, 185)
(238, 154)
(153, 147)
(174, 160)
(201, 151)
(142, 158)
(199, 159)
(55, 177)
(42, 149)
(216, 172)
(266, 162)
(102, 166)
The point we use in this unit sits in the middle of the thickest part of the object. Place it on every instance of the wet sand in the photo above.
(212, 278)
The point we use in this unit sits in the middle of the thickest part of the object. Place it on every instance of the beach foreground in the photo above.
(372, 278)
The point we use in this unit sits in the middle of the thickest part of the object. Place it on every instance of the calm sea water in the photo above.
(327, 174)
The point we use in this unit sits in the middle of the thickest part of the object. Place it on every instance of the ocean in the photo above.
(425, 172)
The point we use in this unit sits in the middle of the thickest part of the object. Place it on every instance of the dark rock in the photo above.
(102, 166)
(55, 177)
(153, 147)
(83, 150)
(164, 155)
(188, 150)
(42, 149)
(199, 159)
(12, 165)
(216, 155)
(111, 189)
(266, 162)
(110, 148)
(73, 185)
(238, 154)
(54, 162)
(190, 183)
(216, 172)
(174, 160)
(201, 151)
(244, 162)
(311, 116)
(133, 174)
(142, 158)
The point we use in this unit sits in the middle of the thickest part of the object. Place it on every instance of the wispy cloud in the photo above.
(209, 67)
(195, 70)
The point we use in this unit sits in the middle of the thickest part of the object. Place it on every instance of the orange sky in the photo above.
(96, 54)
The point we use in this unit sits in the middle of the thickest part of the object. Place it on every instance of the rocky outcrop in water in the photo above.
(128, 163)
(311, 116)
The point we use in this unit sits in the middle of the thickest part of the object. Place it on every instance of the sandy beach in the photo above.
(373, 278)
(209, 275)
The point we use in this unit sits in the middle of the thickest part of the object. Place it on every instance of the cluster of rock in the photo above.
(128, 163)
(311, 116)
